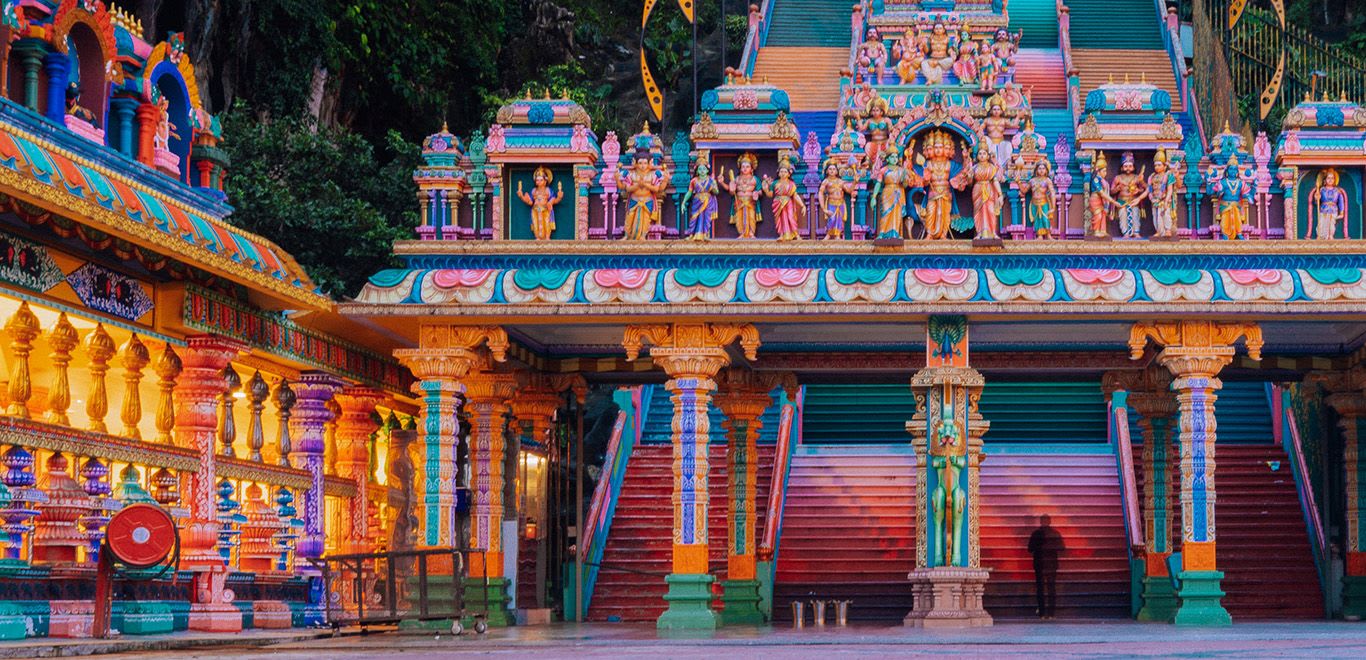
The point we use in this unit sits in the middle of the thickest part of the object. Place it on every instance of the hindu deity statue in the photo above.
(832, 196)
(965, 67)
(1129, 189)
(744, 189)
(542, 202)
(889, 195)
(940, 49)
(989, 65)
(1042, 192)
(908, 56)
(1006, 45)
(74, 107)
(936, 175)
(877, 127)
(948, 459)
(987, 199)
(643, 181)
(1231, 196)
(1327, 205)
(161, 138)
(788, 207)
(1098, 199)
(995, 125)
(1162, 195)
(700, 200)
(872, 54)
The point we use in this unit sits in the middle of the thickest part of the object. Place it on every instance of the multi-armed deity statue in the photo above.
(1231, 194)
(542, 202)
(644, 181)
(745, 191)
(1128, 190)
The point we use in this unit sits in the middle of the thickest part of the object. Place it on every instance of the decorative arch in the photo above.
(168, 55)
(165, 81)
(925, 124)
(91, 34)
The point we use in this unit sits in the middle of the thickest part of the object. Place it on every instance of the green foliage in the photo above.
(324, 196)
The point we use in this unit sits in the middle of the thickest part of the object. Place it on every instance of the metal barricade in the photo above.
(389, 588)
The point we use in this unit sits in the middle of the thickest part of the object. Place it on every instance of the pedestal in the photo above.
(71, 618)
(741, 601)
(1200, 593)
(1354, 597)
(948, 597)
(689, 599)
(1159, 599)
(1092, 237)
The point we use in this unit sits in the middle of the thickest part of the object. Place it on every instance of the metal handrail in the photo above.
(1068, 66)
(1305, 486)
(598, 522)
(1128, 479)
(755, 38)
(782, 460)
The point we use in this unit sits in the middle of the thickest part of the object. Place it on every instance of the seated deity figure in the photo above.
(1231, 197)
(745, 192)
(1006, 45)
(1129, 189)
(1162, 195)
(1327, 206)
(872, 55)
(1042, 193)
(542, 203)
(908, 57)
(877, 128)
(75, 109)
(940, 49)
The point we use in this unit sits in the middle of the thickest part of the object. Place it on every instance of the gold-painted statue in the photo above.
(1098, 199)
(948, 458)
(745, 191)
(832, 197)
(1162, 194)
(940, 49)
(643, 182)
(1327, 206)
(542, 202)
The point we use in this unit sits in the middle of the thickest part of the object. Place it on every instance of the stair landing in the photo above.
(810, 76)
(1098, 65)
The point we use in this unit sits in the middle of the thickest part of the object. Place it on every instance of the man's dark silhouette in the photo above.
(1046, 544)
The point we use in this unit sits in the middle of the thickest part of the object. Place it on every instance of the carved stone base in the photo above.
(1159, 599)
(271, 614)
(1354, 597)
(1200, 594)
(689, 599)
(1094, 237)
(1164, 239)
(71, 618)
(948, 597)
(988, 243)
(215, 617)
(889, 242)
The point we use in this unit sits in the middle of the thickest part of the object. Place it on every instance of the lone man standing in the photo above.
(1046, 544)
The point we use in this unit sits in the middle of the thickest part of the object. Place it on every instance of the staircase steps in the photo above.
(809, 74)
(1040, 73)
(1051, 412)
(1117, 24)
(821, 23)
(641, 536)
(822, 123)
(1099, 65)
(1039, 21)
(849, 531)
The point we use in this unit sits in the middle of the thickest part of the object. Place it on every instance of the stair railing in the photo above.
(1304, 485)
(1124, 446)
(1171, 36)
(756, 36)
(607, 491)
(782, 457)
(1068, 67)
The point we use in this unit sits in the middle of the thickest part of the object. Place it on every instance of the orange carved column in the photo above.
(354, 428)
(691, 354)
(196, 399)
(1195, 352)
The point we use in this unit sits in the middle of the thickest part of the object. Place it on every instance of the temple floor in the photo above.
(1072, 638)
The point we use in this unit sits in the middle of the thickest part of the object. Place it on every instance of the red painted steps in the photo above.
(1263, 547)
(1040, 72)
(848, 531)
(641, 536)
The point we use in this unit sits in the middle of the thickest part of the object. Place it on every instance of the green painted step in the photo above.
(658, 427)
(1117, 24)
(1038, 19)
(823, 23)
(1242, 415)
(1052, 412)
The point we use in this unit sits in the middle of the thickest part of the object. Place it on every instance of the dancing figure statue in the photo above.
(744, 190)
(877, 129)
(643, 182)
(1162, 195)
(788, 207)
(872, 55)
(936, 176)
(889, 196)
(1129, 189)
(948, 458)
(1327, 206)
(1098, 199)
(987, 199)
(700, 200)
(1231, 196)
(940, 49)
(542, 202)
(1042, 195)
(832, 197)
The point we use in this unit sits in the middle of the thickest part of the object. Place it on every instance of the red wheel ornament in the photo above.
(141, 535)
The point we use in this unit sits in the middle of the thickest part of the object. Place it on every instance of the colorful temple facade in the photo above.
(924, 280)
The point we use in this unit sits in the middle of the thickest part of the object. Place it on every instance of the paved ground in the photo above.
(1317, 640)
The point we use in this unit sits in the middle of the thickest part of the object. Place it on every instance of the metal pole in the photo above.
(578, 514)
(725, 36)
(694, 65)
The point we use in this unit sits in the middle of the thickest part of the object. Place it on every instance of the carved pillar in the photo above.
(744, 397)
(148, 115)
(123, 108)
(1153, 402)
(22, 329)
(946, 433)
(444, 357)
(1347, 396)
(313, 390)
(401, 473)
(354, 426)
(691, 354)
(55, 65)
(487, 395)
(99, 350)
(63, 339)
(136, 357)
(1194, 352)
(168, 369)
(196, 398)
